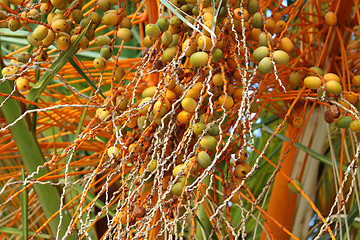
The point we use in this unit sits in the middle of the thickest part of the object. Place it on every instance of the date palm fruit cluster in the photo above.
(186, 119)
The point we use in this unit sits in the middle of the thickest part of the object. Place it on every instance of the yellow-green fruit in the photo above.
(320, 92)
(15, 64)
(141, 123)
(226, 101)
(22, 83)
(110, 19)
(77, 15)
(355, 126)
(70, 26)
(199, 59)
(149, 92)
(286, 44)
(333, 87)
(316, 70)
(119, 73)
(34, 14)
(242, 169)
(166, 37)
(100, 63)
(189, 104)
(125, 23)
(60, 34)
(265, 65)
(84, 22)
(264, 38)
(83, 43)
(254, 107)
(199, 128)
(14, 24)
(331, 76)
(312, 82)
(159, 119)
(217, 55)
(33, 42)
(208, 142)
(59, 25)
(59, 4)
(175, 40)
(169, 54)
(195, 10)
(160, 108)
(95, 17)
(202, 118)
(292, 188)
(214, 130)
(49, 39)
(260, 53)
(152, 30)
(178, 168)
(203, 159)
(9, 72)
(124, 34)
(205, 43)
(281, 57)
(58, 15)
(41, 55)
(23, 57)
(63, 43)
(40, 33)
(103, 114)
(104, 5)
(162, 24)
(121, 103)
(49, 18)
(113, 151)
(106, 52)
(146, 102)
(217, 79)
(189, 49)
(253, 6)
(177, 189)
(148, 42)
(344, 122)
(295, 79)
(175, 21)
(102, 40)
(152, 165)
(257, 21)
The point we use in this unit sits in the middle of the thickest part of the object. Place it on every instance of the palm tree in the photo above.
(179, 119)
